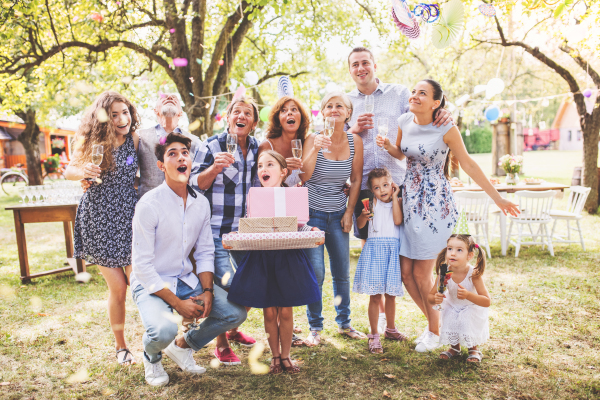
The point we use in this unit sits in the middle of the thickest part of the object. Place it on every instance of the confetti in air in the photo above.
(257, 367)
(83, 277)
(221, 62)
(127, 80)
(214, 363)
(172, 30)
(129, 160)
(180, 62)
(337, 301)
(194, 125)
(225, 279)
(199, 61)
(36, 304)
(162, 140)
(101, 115)
(79, 376)
(96, 16)
(98, 181)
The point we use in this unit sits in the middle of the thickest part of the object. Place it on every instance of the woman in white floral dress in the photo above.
(103, 226)
(428, 202)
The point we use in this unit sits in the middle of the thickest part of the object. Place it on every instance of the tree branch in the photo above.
(368, 11)
(584, 64)
(272, 75)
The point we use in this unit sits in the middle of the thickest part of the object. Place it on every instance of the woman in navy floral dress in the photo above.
(103, 230)
(428, 202)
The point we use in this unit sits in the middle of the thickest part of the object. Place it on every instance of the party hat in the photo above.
(461, 227)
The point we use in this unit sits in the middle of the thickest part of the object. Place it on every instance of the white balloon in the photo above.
(251, 78)
(479, 89)
(233, 85)
(331, 87)
(451, 107)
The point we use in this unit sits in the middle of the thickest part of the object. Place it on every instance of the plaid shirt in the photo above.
(228, 193)
(391, 101)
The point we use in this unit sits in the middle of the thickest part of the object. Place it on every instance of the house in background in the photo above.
(52, 141)
(567, 122)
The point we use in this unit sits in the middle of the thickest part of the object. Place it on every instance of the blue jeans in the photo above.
(161, 330)
(225, 261)
(338, 247)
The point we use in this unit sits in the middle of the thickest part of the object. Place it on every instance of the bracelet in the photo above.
(211, 290)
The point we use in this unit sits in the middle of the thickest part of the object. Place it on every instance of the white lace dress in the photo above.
(462, 321)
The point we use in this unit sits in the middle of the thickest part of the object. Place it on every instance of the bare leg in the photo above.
(423, 276)
(286, 328)
(272, 330)
(407, 267)
(116, 279)
(382, 305)
(390, 311)
(374, 312)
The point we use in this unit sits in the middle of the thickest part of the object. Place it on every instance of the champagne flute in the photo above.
(97, 155)
(328, 127)
(231, 145)
(297, 151)
(23, 193)
(369, 103)
(382, 129)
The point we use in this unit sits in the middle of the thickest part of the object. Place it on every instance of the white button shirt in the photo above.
(164, 233)
(391, 101)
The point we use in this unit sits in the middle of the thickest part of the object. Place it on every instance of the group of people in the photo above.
(191, 193)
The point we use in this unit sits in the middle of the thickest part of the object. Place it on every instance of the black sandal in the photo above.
(125, 360)
(292, 369)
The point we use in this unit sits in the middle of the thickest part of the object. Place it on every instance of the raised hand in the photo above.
(91, 171)
(364, 122)
(508, 207)
(321, 141)
(223, 160)
(439, 298)
(293, 163)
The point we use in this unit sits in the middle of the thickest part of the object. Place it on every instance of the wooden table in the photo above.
(64, 213)
(504, 189)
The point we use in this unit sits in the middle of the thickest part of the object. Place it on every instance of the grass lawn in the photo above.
(544, 325)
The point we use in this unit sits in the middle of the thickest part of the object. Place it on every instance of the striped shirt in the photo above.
(325, 187)
(391, 101)
(228, 193)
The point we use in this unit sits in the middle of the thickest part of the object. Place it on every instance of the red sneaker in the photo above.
(242, 339)
(227, 357)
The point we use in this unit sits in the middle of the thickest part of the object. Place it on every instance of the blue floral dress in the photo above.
(428, 202)
(103, 230)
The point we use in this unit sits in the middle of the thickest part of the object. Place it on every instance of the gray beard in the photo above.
(169, 111)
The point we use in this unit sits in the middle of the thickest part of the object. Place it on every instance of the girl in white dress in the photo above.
(465, 303)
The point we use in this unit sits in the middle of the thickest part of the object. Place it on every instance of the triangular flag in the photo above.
(461, 227)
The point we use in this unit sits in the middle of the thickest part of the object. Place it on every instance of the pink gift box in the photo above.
(273, 240)
(279, 202)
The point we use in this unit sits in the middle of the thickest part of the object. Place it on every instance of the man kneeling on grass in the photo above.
(169, 221)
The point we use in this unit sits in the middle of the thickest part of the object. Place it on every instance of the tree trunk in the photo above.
(590, 163)
(30, 139)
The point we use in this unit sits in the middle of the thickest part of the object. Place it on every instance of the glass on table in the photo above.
(23, 193)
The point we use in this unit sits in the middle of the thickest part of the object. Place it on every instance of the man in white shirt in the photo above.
(169, 221)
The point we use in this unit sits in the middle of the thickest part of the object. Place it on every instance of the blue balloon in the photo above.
(492, 113)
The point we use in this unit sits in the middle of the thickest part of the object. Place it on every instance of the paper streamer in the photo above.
(402, 12)
(428, 12)
(412, 31)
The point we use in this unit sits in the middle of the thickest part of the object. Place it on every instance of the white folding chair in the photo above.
(575, 205)
(535, 210)
(476, 206)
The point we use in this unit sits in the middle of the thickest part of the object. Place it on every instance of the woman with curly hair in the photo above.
(288, 120)
(103, 226)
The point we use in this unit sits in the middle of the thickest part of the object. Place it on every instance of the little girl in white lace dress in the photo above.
(465, 303)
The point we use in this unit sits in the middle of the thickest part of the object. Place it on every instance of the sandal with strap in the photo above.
(353, 333)
(128, 358)
(297, 341)
(375, 344)
(448, 353)
(476, 356)
(314, 339)
(394, 334)
(292, 369)
(275, 369)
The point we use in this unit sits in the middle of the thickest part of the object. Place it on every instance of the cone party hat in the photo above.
(461, 227)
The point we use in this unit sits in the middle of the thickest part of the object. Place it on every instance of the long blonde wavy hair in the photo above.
(93, 131)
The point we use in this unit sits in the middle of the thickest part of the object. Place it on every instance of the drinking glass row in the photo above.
(67, 192)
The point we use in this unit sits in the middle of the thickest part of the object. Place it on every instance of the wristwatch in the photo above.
(211, 290)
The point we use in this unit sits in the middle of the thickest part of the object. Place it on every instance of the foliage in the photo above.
(51, 163)
(511, 164)
(479, 140)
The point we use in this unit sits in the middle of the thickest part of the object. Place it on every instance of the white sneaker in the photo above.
(155, 374)
(430, 342)
(422, 336)
(381, 324)
(184, 358)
